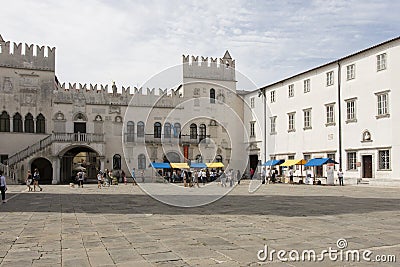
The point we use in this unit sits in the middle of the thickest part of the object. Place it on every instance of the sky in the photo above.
(100, 41)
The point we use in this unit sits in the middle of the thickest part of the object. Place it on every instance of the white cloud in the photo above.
(129, 41)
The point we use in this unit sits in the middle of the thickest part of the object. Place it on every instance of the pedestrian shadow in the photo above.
(279, 205)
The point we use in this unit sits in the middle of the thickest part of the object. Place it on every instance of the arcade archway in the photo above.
(45, 170)
(76, 159)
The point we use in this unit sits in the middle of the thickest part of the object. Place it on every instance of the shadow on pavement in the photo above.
(280, 205)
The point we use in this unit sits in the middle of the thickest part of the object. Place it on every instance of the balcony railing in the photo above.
(163, 139)
(55, 137)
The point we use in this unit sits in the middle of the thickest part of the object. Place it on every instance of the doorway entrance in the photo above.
(367, 166)
(77, 159)
(45, 170)
(253, 163)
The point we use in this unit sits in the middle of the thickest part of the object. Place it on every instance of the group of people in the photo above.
(108, 177)
(33, 180)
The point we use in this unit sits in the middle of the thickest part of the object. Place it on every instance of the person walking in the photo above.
(340, 176)
(142, 175)
(123, 175)
(291, 176)
(3, 187)
(203, 177)
(196, 178)
(80, 178)
(29, 180)
(99, 179)
(36, 178)
(238, 177)
(263, 176)
(133, 176)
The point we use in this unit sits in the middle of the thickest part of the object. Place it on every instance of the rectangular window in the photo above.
(252, 102)
(291, 90)
(384, 160)
(330, 114)
(382, 104)
(307, 86)
(351, 111)
(307, 118)
(273, 124)
(329, 78)
(331, 156)
(307, 157)
(291, 121)
(351, 161)
(252, 129)
(381, 62)
(272, 96)
(351, 72)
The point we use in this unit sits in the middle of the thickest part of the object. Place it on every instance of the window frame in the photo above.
(330, 78)
(330, 114)
(252, 102)
(291, 90)
(384, 165)
(307, 85)
(382, 111)
(351, 72)
(252, 129)
(291, 122)
(381, 62)
(272, 96)
(307, 123)
(351, 160)
(272, 125)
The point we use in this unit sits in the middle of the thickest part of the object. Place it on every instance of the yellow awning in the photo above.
(291, 162)
(179, 165)
(215, 165)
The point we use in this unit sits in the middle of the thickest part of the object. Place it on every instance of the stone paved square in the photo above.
(122, 226)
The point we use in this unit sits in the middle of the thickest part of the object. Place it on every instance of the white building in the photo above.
(344, 110)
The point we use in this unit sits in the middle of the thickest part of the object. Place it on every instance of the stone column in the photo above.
(56, 170)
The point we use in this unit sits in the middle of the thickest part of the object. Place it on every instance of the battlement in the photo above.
(24, 56)
(91, 89)
(209, 68)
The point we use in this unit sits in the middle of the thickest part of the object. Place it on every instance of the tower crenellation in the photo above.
(209, 68)
(33, 57)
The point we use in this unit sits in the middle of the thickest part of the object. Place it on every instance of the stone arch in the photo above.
(45, 169)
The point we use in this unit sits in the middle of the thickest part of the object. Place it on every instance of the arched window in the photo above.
(141, 162)
(130, 131)
(218, 158)
(29, 124)
(40, 124)
(193, 131)
(212, 95)
(140, 129)
(157, 130)
(202, 132)
(17, 123)
(4, 122)
(167, 130)
(117, 162)
(177, 130)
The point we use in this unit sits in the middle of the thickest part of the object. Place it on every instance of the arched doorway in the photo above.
(172, 157)
(45, 170)
(79, 158)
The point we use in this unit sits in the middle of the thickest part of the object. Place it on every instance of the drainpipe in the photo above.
(340, 116)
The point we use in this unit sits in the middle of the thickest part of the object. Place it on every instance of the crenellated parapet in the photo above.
(209, 68)
(100, 94)
(24, 56)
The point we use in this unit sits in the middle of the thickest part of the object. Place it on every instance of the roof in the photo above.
(215, 165)
(319, 162)
(291, 162)
(160, 165)
(331, 62)
(180, 165)
(198, 165)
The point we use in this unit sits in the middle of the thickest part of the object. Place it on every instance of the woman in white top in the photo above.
(3, 187)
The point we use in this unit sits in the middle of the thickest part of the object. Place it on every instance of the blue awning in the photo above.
(273, 162)
(198, 165)
(160, 165)
(319, 162)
